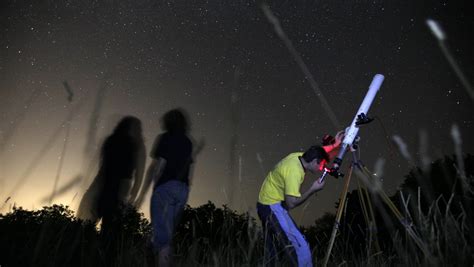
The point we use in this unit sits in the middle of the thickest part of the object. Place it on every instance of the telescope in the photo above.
(351, 134)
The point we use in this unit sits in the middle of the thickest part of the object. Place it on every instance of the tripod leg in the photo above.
(340, 209)
(369, 215)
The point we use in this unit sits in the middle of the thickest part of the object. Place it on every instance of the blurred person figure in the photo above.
(172, 156)
(120, 175)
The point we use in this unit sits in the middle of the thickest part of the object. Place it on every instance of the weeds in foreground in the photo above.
(212, 236)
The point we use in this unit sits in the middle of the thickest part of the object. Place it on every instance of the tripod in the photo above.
(367, 208)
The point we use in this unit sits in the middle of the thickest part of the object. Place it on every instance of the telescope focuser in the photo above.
(334, 172)
(363, 119)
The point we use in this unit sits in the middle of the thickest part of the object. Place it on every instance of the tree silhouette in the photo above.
(52, 236)
(444, 183)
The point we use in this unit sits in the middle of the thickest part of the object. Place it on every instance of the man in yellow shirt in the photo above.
(279, 193)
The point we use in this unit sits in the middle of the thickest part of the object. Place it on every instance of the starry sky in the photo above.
(70, 69)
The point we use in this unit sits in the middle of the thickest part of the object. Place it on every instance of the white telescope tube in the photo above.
(353, 130)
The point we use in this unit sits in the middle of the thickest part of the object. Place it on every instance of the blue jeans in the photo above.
(167, 204)
(282, 238)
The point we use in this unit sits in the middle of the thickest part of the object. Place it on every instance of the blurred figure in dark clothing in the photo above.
(172, 156)
(120, 174)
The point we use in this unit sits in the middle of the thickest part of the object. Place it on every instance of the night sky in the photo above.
(223, 62)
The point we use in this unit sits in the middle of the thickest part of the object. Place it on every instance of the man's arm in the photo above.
(154, 170)
(338, 140)
(292, 202)
(329, 148)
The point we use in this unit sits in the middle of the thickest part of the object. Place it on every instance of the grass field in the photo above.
(218, 236)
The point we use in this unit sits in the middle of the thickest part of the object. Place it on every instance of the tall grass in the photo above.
(219, 236)
(52, 237)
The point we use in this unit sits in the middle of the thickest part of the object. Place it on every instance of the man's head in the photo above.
(315, 158)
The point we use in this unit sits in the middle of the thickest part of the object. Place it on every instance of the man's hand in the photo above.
(317, 185)
(339, 138)
(292, 202)
(153, 173)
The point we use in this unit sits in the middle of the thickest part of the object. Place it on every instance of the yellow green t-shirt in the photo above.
(285, 179)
